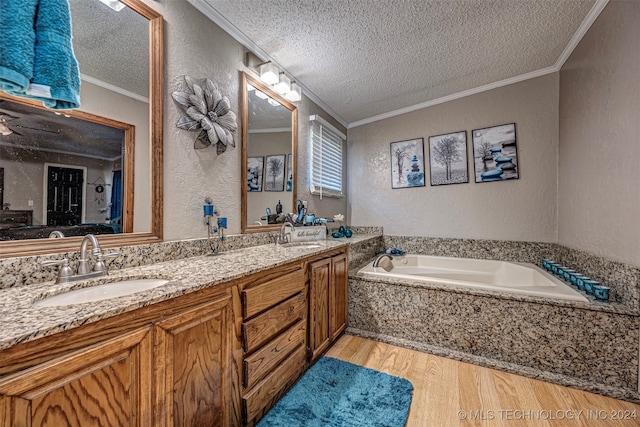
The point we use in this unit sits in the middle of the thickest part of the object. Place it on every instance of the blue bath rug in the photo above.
(340, 394)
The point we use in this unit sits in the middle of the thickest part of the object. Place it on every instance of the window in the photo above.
(326, 158)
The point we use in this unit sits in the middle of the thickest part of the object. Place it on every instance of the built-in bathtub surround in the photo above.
(622, 279)
(590, 346)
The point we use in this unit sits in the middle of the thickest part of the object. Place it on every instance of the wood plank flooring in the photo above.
(451, 393)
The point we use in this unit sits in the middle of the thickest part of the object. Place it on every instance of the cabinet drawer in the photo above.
(263, 296)
(259, 364)
(265, 326)
(264, 395)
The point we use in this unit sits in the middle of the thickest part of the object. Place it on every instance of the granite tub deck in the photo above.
(591, 346)
(22, 321)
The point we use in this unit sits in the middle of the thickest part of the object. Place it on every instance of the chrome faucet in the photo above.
(84, 267)
(376, 262)
(284, 237)
(84, 271)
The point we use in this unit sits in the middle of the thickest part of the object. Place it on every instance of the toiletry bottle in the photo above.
(279, 208)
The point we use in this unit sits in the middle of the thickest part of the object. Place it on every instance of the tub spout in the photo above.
(376, 262)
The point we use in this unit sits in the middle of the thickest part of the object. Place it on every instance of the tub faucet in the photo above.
(284, 237)
(376, 262)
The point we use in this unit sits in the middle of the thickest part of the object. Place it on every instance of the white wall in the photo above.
(599, 171)
(522, 209)
(106, 103)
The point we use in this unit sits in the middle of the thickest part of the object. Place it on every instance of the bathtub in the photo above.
(500, 276)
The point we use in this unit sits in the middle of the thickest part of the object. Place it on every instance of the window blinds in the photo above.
(326, 159)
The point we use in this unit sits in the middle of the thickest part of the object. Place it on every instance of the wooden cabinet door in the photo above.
(195, 367)
(106, 384)
(319, 300)
(339, 301)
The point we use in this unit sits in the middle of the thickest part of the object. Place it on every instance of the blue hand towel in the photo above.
(17, 41)
(56, 77)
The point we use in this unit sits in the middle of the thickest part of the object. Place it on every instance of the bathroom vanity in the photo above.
(219, 346)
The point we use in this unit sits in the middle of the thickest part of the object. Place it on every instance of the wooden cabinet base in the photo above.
(106, 384)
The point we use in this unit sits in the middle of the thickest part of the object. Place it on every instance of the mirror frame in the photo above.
(14, 248)
(258, 84)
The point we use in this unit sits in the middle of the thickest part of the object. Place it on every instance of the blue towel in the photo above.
(56, 77)
(17, 41)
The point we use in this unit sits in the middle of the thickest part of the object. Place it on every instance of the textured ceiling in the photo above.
(363, 58)
(111, 46)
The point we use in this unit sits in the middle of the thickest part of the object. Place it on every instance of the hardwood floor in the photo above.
(451, 393)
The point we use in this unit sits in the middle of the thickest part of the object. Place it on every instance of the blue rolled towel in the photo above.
(17, 40)
(56, 77)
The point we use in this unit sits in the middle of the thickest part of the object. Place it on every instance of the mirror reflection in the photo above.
(120, 55)
(269, 141)
(60, 172)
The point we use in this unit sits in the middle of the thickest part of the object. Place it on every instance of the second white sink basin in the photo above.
(101, 292)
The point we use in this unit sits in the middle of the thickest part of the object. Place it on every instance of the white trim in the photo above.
(207, 10)
(582, 30)
(113, 88)
(45, 189)
(575, 40)
(227, 26)
(454, 96)
(326, 124)
(273, 130)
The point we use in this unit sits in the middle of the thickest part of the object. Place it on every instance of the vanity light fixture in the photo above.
(269, 73)
(284, 84)
(114, 4)
(273, 102)
(261, 94)
(295, 94)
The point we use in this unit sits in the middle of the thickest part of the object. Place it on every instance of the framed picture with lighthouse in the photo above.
(407, 163)
(495, 153)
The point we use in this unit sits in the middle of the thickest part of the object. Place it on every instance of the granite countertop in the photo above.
(22, 321)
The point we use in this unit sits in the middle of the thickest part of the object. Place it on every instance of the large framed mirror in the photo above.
(115, 142)
(269, 149)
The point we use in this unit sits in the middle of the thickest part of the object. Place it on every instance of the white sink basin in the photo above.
(101, 292)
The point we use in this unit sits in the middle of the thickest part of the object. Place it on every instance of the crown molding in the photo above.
(227, 26)
(113, 88)
(577, 37)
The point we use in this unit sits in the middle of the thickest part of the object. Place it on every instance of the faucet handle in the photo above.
(101, 265)
(64, 272)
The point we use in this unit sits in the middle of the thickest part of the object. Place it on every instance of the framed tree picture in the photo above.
(495, 154)
(255, 166)
(448, 158)
(407, 163)
(274, 172)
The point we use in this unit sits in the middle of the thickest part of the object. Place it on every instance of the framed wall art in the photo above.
(407, 163)
(495, 154)
(448, 158)
(255, 166)
(274, 172)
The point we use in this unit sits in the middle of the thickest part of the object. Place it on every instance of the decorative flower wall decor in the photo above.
(209, 112)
